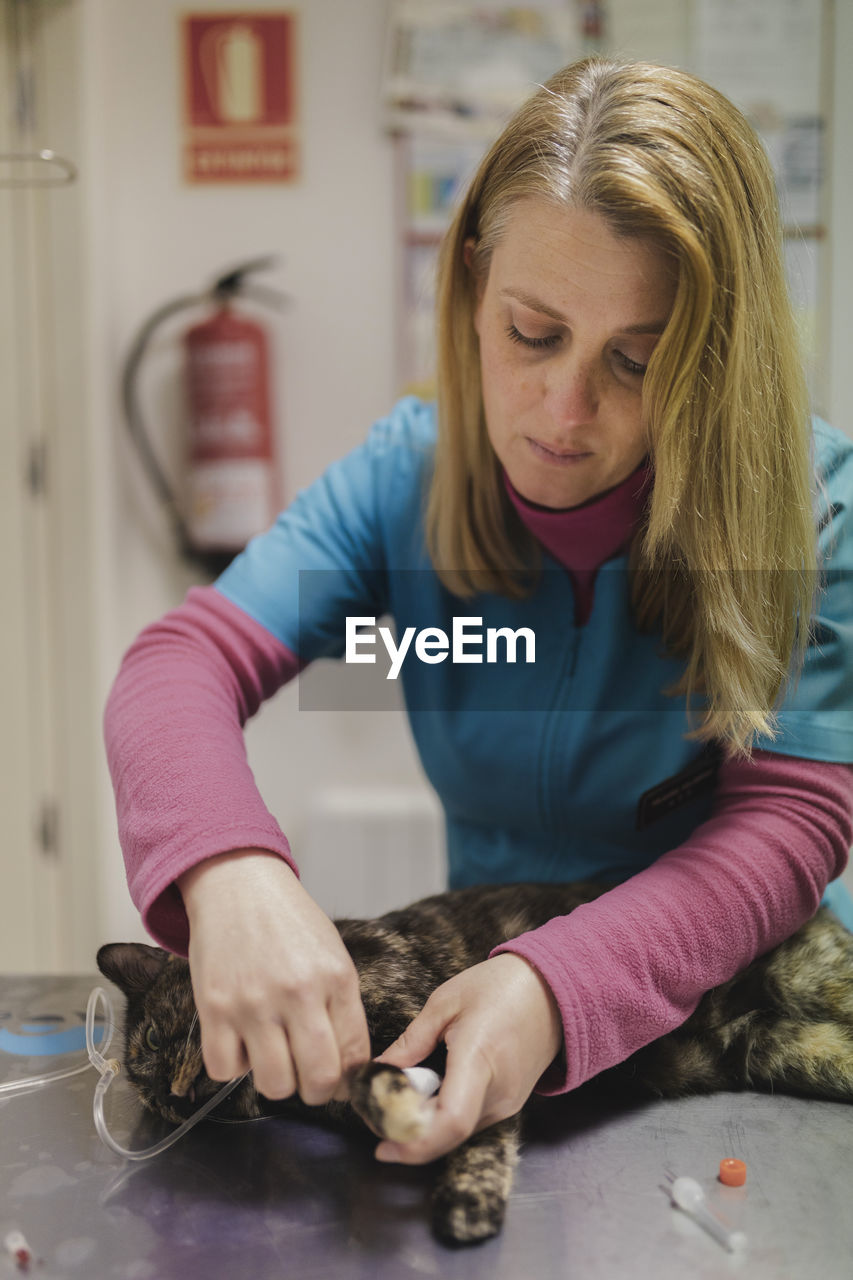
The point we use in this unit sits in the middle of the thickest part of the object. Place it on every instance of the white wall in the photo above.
(153, 238)
(839, 266)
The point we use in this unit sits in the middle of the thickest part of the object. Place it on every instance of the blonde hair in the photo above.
(725, 560)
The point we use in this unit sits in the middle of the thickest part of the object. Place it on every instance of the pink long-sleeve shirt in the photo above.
(624, 969)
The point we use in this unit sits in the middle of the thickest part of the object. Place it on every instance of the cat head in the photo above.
(162, 1054)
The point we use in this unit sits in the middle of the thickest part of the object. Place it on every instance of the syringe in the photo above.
(688, 1195)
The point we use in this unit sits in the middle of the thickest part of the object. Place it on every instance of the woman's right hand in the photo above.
(275, 988)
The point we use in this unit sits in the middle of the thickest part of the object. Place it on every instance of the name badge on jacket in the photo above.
(699, 777)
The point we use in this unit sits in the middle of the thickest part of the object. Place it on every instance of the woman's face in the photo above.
(567, 320)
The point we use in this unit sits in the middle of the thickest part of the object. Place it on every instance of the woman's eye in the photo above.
(152, 1039)
(632, 366)
(536, 344)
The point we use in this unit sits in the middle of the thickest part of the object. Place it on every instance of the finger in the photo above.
(349, 1024)
(350, 1027)
(223, 1052)
(316, 1059)
(459, 1106)
(419, 1039)
(268, 1051)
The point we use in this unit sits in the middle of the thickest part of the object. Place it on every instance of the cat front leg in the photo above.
(473, 1183)
(470, 1194)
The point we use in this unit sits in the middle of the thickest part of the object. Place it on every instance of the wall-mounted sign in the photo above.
(240, 97)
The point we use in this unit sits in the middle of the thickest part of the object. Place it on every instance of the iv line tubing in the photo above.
(109, 1069)
(35, 1082)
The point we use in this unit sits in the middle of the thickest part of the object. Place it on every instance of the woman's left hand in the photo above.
(502, 1028)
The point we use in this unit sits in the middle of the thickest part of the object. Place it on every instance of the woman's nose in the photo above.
(571, 397)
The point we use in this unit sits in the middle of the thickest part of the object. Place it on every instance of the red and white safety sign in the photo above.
(240, 97)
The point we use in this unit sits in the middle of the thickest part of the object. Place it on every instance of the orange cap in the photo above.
(732, 1172)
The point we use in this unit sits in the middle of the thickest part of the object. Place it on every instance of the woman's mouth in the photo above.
(556, 457)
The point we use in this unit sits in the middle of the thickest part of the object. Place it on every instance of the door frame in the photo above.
(48, 642)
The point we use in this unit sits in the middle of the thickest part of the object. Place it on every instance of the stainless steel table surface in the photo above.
(282, 1198)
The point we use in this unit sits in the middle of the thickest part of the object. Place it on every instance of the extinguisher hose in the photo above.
(136, 422)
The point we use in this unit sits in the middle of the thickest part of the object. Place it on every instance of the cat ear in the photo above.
(132, 966)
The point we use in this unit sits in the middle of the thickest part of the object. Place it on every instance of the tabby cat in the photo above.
(784, 1024)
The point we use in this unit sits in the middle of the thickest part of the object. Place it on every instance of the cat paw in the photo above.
(466, 1216)
(388, 1103)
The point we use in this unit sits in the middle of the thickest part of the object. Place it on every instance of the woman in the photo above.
(624, 466)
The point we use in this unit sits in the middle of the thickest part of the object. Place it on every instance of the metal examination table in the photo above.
(280, 1198)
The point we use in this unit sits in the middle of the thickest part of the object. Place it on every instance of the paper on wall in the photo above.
(652, 31)
(463, 68)
(763, 54)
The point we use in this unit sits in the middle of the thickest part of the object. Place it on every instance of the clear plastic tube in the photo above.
(11, 1087)
(109, 1069)
(64, 1073)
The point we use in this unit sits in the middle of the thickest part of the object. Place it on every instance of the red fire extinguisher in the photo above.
(231, 488)
(231, 477)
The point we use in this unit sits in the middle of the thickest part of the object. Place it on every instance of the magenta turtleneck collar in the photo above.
(582, 538)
